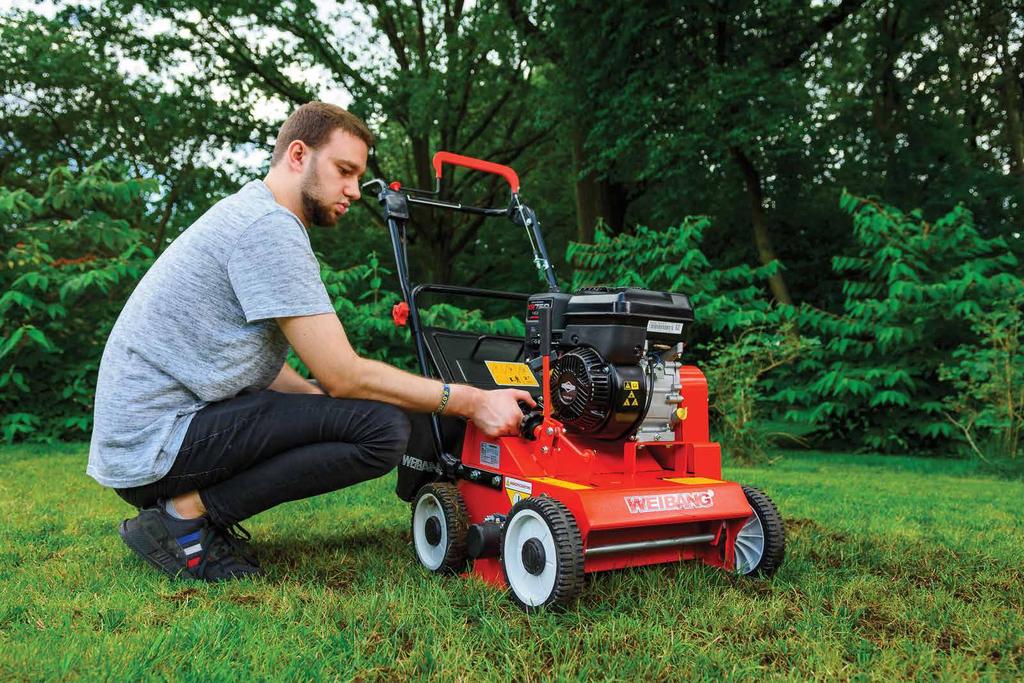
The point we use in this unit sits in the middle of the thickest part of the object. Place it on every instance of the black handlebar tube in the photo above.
(455, 206)
(456, 290)
(520, 214)
(396, 213)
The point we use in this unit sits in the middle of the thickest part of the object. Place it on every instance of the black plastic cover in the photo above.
(617, 321)
(627, 306)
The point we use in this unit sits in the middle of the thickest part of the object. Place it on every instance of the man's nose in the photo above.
(352, 191)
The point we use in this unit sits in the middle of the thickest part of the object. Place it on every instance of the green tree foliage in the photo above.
(926, 351)
(77, 92)
(987, 379)
(429, 75)
(74, 254)
(757, 112)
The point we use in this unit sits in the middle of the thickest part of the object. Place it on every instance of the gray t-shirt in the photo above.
(199, 328)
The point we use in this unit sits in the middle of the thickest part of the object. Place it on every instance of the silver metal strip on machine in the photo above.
(649, 545)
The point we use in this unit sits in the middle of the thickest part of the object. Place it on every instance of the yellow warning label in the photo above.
(694, 480)
(631, 386)
(571, 485)
(517, 489)
(511, 374)
(630, 400)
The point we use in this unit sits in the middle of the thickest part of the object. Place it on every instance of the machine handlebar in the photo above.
(442, 158)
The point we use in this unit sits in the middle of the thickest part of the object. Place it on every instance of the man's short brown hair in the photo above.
(313, 123)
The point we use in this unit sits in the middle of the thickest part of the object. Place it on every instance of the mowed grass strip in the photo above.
(896, 568)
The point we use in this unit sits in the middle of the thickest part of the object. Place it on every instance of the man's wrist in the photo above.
(446, 393)
(463, 400)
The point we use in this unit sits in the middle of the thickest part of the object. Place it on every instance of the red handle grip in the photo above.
(505, 172)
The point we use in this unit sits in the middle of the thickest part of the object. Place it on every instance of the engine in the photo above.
(616, 367)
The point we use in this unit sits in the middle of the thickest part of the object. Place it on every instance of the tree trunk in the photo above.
(1014, 130)
(612, 202)
(429, 228)
(586, 191)
(595, 199)
(765, 252)
(886, 99)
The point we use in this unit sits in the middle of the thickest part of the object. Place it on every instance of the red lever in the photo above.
(505, 172)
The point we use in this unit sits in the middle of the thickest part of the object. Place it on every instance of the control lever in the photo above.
(532, 418)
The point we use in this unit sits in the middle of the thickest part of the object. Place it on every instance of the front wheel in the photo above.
(761, 543)
(542, 554)
(439, 527)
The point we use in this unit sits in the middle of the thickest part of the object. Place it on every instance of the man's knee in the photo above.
(392, 437)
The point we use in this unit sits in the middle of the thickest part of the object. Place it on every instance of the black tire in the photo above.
(774, 533)
(444, 502)
(567, 579)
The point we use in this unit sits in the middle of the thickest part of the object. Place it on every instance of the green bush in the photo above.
(71, 257)
(925, 354)
(987, 377)
(739, 376)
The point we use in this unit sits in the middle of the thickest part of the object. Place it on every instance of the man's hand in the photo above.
(497, 413)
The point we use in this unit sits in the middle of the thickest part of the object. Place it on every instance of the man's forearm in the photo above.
(321, 343)
(289, 381)
(382, 382)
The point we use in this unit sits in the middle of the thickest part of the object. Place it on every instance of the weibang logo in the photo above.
(667, 502)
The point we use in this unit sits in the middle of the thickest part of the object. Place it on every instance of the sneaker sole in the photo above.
(142, 546)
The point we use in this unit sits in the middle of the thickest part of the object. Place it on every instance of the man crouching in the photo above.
(199, 421)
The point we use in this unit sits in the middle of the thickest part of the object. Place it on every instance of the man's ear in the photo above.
(297, 155)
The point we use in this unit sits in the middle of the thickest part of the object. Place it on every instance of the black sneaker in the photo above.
(241, 542)
(193, 549)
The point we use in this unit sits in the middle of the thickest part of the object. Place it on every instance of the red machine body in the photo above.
(618, 492)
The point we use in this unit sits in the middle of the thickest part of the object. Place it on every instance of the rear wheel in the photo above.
(542, 554)
(439, 527)
(761, 543)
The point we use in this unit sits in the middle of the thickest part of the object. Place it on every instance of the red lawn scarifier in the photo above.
(614, 469)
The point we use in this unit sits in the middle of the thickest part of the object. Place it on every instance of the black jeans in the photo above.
(252, 452)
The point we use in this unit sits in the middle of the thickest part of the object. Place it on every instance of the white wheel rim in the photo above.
(749, 545)
(533, 589)
(430, 556)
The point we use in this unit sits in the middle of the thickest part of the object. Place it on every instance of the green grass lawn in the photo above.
(895, 568)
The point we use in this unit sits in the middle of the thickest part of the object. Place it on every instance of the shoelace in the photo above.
(238, 537)
(233, 538)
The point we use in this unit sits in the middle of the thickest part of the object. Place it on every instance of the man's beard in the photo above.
(317, 213)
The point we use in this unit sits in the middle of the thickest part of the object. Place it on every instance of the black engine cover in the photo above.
(617, 321)
(593, 397)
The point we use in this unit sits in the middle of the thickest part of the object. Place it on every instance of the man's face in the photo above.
(330, 180)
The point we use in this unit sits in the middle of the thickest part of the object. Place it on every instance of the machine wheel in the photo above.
(761, 543)
(542, 554)
(439, 527)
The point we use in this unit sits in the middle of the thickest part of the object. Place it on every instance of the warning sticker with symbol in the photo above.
(630, 401)
(517, 489)
(511, 374)
(631, 386)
